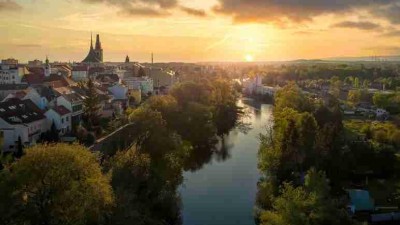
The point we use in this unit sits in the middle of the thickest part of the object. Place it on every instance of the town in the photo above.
(200, 112)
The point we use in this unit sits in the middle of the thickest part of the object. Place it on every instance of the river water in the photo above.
(223, 191)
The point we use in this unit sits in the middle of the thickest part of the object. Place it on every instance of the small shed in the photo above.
(360, 200)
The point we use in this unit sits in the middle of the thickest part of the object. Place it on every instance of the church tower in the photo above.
(98, 49)
(47, 68)
(127, 59)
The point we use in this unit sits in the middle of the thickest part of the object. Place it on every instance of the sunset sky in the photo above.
(199, 30)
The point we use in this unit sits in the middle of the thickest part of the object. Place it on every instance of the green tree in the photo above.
(91, 106)
(354, 97)
(305, 205)
(55, 184)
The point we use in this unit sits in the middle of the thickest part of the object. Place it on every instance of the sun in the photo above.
(249, 58)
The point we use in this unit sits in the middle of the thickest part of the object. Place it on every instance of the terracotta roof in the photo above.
(36, 70)
(61, 110)
(20, 94)
(109, 78)
(47, 92)
(13, 86)
(33, 78)
(16, 111)
(93, 70)
(80, 68)
(55, 81)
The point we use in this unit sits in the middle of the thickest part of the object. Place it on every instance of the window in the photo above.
(62, 120)
(67, 118)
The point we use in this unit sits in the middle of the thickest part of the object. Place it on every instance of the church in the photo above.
(95, 55)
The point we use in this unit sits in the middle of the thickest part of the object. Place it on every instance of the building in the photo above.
(61, 117)
(6, 89)
(145, 84)
(9, 61)
(72, 101)
(80, 73)
(163, 80)
(11, 73)
(20, 122)
(95, 55)
(254, 85)
(35, 62)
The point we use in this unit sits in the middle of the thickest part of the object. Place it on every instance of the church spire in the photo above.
(91, 40)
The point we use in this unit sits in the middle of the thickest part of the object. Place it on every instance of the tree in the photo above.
(20, 148)
(305, 205)
(381, 100)
(91, 106)
(354, 97)
(291, 96)
(56, 184)
(141, 72)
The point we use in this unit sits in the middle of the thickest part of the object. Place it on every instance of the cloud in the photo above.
(152, 8)
(386, 50)
(358, 25)
(390, 12)
(9, 5)
(28, 45)
(294, 11)
(144, 11)
(393, 33)
(194, 12)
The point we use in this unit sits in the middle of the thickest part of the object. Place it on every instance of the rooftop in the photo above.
(16, 111)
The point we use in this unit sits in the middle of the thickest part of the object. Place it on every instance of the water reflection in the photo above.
(221, 188)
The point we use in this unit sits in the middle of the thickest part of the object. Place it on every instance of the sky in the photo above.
(199, 30)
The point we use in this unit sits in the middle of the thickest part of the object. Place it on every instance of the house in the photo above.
(119, 91)
(6, 89)
(162, 79)
(11, 73)
(72, 101)
(360, 201)
(20, 120)
(29, 93)
(145, 84)
(381, 114)
(80, 73)
(61, 117)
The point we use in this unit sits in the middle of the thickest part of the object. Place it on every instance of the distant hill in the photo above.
(366, 58)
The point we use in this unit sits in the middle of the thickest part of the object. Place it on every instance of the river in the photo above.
(223, 191)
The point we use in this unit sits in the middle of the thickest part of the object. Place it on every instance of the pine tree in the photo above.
(91, 106)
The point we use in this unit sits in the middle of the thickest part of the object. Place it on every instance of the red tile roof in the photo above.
(33, 78)
(80, 68)
(61, 110)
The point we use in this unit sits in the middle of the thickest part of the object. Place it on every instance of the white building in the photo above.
(11, 74)
(254, 86)
(119, 91)
(80, 73)
(72, 101)
(62, 119)
(20, 120)
(145, 84)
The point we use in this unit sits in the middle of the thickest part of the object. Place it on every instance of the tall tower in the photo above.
(47, 67)
(98, 49)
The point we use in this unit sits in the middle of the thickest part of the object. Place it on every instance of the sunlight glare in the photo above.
(249, 58)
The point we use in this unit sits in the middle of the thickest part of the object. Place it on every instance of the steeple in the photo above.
(127, 59)
(152, 59)
(95, 55)
(98, 43)
(47, 67)
(91, 40)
